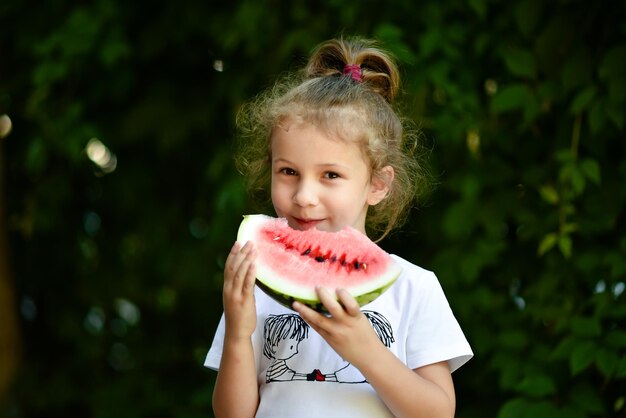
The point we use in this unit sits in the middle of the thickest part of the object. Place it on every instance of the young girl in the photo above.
(328, 147)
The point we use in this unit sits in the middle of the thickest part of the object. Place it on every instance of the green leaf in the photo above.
(568, 411)
(431, 41)
(479, 6)
(515, 408)
(460, 219)
(597, 117)
(547, 243)
(509, 368)
(583, 100)
(582, 356)
(586, 398)
(621, 368)
(572, 174)
(549, 91)
(513, 340)
(565, 245)
(617, 90)
(114, 51)
(543, 409)
(537, 386)
(511, 97)
(565, 348)
(549, 194)
(607, 361)
(568, 228)
(616, 261)
(591, 169)
(36, 156)
(618, 406)
(520, 62)
(392, 36)
(612, 65)
(616, 339)
(49, 72)
(532, 109)
(616, 115)
(578, 181)
(565, 156)
(527, 15)
(578, 70)
(585, 327)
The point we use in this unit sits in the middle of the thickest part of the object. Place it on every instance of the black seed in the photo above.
(356, 265)
(307, 252)
(333, 259)
(320, 259)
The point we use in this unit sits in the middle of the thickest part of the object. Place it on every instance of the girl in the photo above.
(330, 149)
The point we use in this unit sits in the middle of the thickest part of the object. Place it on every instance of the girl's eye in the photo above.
(332, 175)
(288, 171)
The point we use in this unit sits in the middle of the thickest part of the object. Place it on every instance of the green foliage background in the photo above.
(117, 276)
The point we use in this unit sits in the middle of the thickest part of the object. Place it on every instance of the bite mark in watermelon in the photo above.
(291, 263)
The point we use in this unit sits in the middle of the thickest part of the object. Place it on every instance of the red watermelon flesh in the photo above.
(291, 263)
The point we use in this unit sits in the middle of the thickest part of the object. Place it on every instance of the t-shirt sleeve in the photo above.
(434, 333)
(214, 355)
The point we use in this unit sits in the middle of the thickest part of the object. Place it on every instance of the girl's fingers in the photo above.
(321, 323)
(250, 278)
(330, 302)
(235, 248)
(238, 265)
(311, 317)
(350, 305)
(232, 261)
(339, 304)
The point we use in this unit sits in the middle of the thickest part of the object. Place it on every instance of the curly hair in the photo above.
(362, 111)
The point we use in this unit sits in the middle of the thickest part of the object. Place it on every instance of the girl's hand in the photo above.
(238, 294)
(346, 330)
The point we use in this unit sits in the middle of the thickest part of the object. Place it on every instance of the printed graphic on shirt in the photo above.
(283, 335)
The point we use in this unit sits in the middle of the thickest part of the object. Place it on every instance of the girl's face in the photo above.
(321, 182)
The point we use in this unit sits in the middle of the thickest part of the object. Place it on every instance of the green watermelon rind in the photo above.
(316, 304)
(367, 292)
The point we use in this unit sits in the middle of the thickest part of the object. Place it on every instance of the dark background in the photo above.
(119, 199)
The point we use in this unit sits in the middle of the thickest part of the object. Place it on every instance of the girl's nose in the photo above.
(305, 194)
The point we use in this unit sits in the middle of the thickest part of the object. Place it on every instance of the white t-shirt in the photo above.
(300, 375)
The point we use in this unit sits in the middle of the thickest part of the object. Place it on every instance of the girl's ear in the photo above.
(380, 185)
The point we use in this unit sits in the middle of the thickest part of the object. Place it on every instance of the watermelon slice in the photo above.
(291, 263)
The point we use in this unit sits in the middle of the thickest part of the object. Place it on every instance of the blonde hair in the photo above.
(345, 108)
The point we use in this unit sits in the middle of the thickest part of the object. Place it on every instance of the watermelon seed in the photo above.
(356, 265)
(333, 259)
(306, 252)
(320, 259)
(277, 237)
(364, 266)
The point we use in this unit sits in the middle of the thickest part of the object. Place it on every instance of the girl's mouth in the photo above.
(306, 223)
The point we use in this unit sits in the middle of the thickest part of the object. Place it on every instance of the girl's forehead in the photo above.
(307, 145)
(332, 126)
(295, 136)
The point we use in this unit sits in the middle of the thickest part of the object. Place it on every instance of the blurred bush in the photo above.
(120, 199)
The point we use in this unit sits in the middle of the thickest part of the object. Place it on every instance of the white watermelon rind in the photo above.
(284, 291)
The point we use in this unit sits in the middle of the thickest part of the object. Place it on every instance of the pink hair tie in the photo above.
(354, 71)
